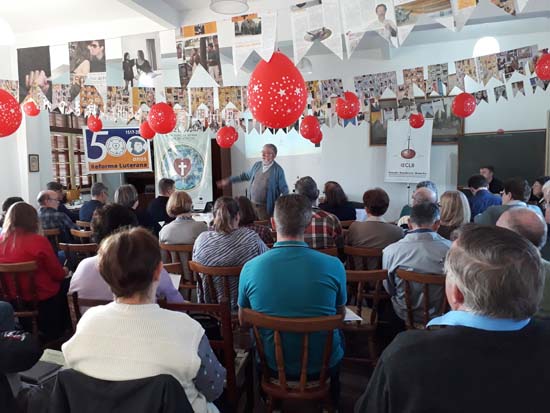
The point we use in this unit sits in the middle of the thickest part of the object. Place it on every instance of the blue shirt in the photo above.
(292, 280)
(481, 322)
(482, 200)
(87, 210)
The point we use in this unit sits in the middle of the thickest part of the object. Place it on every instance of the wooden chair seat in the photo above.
(329, 251)
(85, 225)
(81, 235)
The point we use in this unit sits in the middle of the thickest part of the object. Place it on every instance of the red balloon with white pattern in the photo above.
(310, 127)
(463, 105)
(277, 93)
(10, 114)
(348, 106)
(162, 118)
(145, 131)
(94, 123)
(227, 136)
(416, 120)
(30, 108)
(318, 138)
(543, 67)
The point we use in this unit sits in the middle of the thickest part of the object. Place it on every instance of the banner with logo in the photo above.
(116, 150)
(185, 157)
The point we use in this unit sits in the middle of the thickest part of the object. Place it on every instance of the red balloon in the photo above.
(145, 131)
(10, 114)
(464, 105)
(318, 138)
(543, 67)
(310, 127)
(416, 120)
(227, 136)
(348, 106)
(94, 123)
(30, 108)
(162, 118)
(277, 93)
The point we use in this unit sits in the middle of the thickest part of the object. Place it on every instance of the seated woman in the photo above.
(374, 232)
(455, 211)
(226, 246)
(6, 205)
(537, 196)
(20, 242)
(126, 195)
(336, 202)
(87, 281)
(184, 229)
(248, 216)
(132, 337)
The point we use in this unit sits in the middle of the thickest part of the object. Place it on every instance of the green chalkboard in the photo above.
(521, 153)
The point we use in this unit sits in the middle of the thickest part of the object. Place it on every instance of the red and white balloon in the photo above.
(162, 118)
(277, 93)
(310, 127)
(464, 105)
(416, 120)
(542, 68)
(145, 131)
(94, 123)
(348, 106)
(227, 136)
(318, 138)
(30, 108)
(10, 114)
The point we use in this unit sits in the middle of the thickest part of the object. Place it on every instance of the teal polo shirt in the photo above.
(293, 280)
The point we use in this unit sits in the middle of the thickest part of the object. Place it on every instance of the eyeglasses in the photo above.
(94, 45)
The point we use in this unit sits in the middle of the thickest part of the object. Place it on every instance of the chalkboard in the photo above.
(521, 153)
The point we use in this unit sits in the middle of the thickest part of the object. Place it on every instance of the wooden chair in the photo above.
(11, 281)
(426, 280)
(329, 251)
(75, 304)
(358, 283)
(83, 236)
(265, 223)
(85, 225)
(364, 255)
(224, 274)
(74, 253)
(346, 224)
(280, 388)
(188, 282)
(53, 236)
(239, 379)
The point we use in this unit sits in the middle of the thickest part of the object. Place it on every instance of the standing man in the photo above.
(100, 195)
(157, 207)
(267, 182)
(495, 185)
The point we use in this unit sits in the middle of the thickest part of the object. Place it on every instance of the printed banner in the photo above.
(119, 105)
(253, 32)
(408, 152)
(230, 104)
(141, 60)
(185, 157)
(116, 150)
(203, 114)
(409, 12)
(178, 98)
(10, 86)
(34, 69)
(66, 99)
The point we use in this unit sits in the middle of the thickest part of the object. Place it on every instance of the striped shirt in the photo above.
(216, 249)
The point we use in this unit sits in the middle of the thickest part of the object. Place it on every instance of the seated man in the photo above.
(421, 250)
(492, 356)
(325, 230)
(482, 198)
(420, 196)
(314, 285)
(157, 207)
(406, 210)
(51, 218)
(58, 189)
(100, 195)
(515, 194)
(531, 225)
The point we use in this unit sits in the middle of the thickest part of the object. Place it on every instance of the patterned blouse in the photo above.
(263, 231)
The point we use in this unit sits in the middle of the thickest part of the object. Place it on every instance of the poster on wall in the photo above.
(185, 157)
(115, 150)
(34, 69)
(140, 59)
(409, 12)
(198, 46)
(408, 152)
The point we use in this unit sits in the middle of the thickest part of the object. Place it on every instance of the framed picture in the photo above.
(34, 163)
(446, 128)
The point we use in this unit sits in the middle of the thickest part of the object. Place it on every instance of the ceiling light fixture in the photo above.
(229, 6)
(486, 46)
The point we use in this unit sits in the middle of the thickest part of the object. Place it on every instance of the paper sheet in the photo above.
(351, 316)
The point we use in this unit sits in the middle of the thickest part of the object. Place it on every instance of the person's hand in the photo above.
(223, 182)
(37, 78)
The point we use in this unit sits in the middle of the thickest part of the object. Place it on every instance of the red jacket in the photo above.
(33, 247)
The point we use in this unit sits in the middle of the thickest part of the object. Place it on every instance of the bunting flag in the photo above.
(521, 5)
(415, 77)
(453, 86)
(537, 83)
(481, 96)
(466, 67)
(253, 32)
(230, 105)
(66, 99)
(10, 86)
(518, 88)
(178, 98)
(203, 113)
(438, 79)
(92, 101)
(487, 68)
(509, 6)
(119, 104)
(500, 93)
(142, 100)
(463, 10)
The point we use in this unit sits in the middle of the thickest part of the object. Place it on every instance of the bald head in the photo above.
(423, 196)
(525, 222)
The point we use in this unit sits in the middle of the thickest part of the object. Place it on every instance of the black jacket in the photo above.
(75, 392)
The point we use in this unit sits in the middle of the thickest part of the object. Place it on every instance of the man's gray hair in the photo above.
(98, 188)
(498, 271)
(307, 187)
(525, 222)
(43, 197)
(292, 214)
(272, 147)
(126, 195)
(428, 184)
(424, 195)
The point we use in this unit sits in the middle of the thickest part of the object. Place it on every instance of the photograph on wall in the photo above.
(140, 59)
(409, 12)
(142, 100)
(405, 94)
(200, 48)
(508, 6)
(518, 88)
(438, 79)
(64, 99)
(466, 67)
(374, 85)
(415, 76)
(119, 104)
(381, 109)
(91, 101)
(508, 63)
(253, 32)
(10, 86)
(481, 96)
(537, 83)
(202, 108)
(34, 69)
(527, 56)
(500, 93)
(230, 105)
(453, 83)
(87, 57)
(488, 68)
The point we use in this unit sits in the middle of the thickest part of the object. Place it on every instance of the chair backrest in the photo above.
(329, 251)
(209, 272)
(426, 280)
(82, 235)
(359, 289)
(13, 278)
(174, 250)
(53, 236)
(364, 256)
(346, 224)
(75, 253)
(264, 222)
(75, 304)
(305, 326)
(85, 225)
